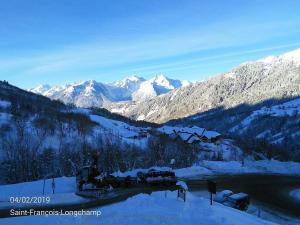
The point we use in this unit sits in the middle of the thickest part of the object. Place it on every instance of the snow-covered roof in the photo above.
(192, 139)
(186, 132)
(184, 136)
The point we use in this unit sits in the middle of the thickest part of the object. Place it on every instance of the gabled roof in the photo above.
(186, 132)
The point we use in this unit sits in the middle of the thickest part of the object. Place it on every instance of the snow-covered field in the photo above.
(157, 208)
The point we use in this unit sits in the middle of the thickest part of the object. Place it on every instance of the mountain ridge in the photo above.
(97, 94)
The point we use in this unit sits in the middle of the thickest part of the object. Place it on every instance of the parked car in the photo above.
(157, 177)
(239, 201)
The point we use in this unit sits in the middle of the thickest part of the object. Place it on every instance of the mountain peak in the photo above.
(160, 77)
(92, 93)
(155, 86)
(89, 82)
(134, 78)
(161, 80)
(40, 89)
(130, 82)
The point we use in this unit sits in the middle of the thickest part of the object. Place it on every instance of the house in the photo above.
(190, 135)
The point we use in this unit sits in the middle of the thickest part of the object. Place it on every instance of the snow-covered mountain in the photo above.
(40, 89)
(96, 94)
(156, 86)
(250, 83)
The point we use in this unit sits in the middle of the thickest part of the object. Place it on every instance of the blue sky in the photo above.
(62, 41)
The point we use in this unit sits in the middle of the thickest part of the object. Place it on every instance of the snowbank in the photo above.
(193, 171)
(157, 208)
(134, 172)
(208, 168)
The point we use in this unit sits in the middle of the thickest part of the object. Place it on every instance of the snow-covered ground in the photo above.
(205, 168)
(295, 194)
(157, 208)
(64, 192)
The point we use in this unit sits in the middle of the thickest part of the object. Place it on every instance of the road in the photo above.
(271, 191)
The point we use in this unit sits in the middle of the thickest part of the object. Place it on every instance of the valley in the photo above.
(237, 125)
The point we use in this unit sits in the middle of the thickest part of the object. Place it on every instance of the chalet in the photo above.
(190, 135)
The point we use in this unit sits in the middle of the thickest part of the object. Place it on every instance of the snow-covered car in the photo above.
(239, 201)
(222, 196)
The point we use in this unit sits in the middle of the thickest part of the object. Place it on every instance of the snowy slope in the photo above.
(104, 127)
(290, 108)
(286, 114)
(41, 89)
(129, 134)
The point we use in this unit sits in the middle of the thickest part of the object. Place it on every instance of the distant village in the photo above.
(191, 135)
